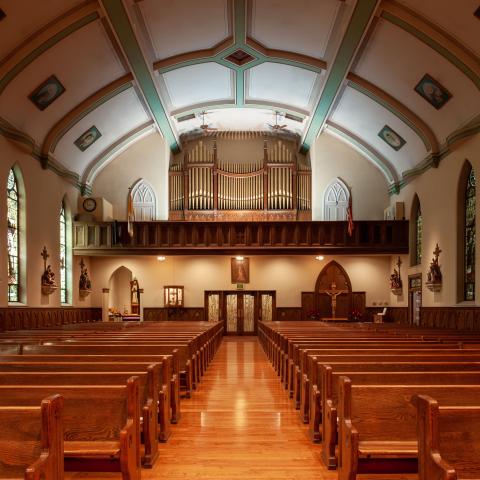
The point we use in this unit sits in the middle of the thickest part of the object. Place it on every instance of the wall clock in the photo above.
(89, 204)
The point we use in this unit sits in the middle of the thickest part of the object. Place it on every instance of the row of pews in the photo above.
(96, 397)
(383, 399)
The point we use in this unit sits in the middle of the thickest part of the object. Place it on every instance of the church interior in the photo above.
(239, 239)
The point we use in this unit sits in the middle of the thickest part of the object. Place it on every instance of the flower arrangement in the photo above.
(356, 315)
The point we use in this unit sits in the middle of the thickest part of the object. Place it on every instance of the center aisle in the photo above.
(239, 424)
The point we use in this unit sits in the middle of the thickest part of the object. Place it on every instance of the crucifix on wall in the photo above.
(333, 293)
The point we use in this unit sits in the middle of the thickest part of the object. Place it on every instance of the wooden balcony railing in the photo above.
(183, 238)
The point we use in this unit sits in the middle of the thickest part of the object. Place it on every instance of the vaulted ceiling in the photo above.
(81, 80)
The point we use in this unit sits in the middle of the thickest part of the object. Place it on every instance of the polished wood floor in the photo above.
(239, 424)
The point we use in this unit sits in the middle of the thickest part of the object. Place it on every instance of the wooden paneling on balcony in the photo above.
(255, 238)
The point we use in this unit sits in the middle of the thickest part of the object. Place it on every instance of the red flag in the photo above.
(351, 226)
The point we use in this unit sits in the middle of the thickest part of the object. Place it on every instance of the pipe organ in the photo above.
(276, 186)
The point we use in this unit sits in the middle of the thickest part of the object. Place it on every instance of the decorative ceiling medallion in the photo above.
(2, 14)
(477, 13)
(47, 92)
(87, 138)
(433, 92)
(392, 138)
(240, 57)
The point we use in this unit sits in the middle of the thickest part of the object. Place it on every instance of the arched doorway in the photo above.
(332, 279)
(119, 299)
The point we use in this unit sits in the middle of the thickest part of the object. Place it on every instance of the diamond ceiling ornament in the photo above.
(240, 57)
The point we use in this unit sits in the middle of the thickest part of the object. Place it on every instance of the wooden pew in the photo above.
(31, 441)
(441, 456)
(134, 368)
(148, 395)
(181, 355)
(330, 395)
(326, 387)
(101, 424)
(377, 425)
(111, 354)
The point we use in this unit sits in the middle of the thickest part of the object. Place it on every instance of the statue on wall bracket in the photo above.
(49, 285)
(396, 285)
(84, 284)
(434, 275)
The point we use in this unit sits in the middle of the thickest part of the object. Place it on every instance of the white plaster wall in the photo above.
(149, 159)
(288, 275)
(332, 158)
(44, 193)
(437, 191)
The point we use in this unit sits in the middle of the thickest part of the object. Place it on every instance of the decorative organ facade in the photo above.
(217, 179)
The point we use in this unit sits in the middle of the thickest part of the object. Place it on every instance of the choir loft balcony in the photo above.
(255, 238)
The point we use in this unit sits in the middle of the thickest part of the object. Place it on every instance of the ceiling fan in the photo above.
(205, 127)
(277, 127)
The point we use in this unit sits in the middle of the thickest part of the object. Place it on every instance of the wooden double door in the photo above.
(240, 310)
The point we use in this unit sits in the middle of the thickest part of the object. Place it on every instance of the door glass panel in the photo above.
(214, 307)
(266, 308)
(232, 313)
(248, 313)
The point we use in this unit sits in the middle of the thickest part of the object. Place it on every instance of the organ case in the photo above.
(274, 186)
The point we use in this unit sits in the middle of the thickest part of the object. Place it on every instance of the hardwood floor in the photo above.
(239, 424)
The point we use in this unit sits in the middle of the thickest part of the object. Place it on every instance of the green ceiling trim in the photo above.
(393, 110)
(88, 110)
(444, 52)
(240, 22)
(12, 133)
(359, 23)
(367, 151)
(102, 160)
(123, 29)
(34, 54)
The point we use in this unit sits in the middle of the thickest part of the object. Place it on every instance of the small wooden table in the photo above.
(334, 319)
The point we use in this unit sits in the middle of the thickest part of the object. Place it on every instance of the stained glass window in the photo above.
(418, 236)
(469, 246)
(12, 238)
(63, 255)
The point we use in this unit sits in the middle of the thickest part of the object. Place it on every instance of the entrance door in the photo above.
(240, 311)
(414, 299)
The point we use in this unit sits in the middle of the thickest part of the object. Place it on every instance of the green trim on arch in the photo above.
(118, 17)
(12, 133)
(359, 22)
(443, 51)
(88, 110)
(391, 109)
(367, 151)
(34, 54)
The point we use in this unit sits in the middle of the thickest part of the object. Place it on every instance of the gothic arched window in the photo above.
(63, 255)
(13, 240)
(144, 201)
(469, 237)
(335, 201)
(416, 232)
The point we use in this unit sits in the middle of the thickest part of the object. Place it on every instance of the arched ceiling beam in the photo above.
(240, 41)
(105, 157)
(27, 143)
(360, 20)
(219, 105)
(119, 20)
(397, 108)
(433, 36)
(367, 151)
(46, 38)
(82, 109)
